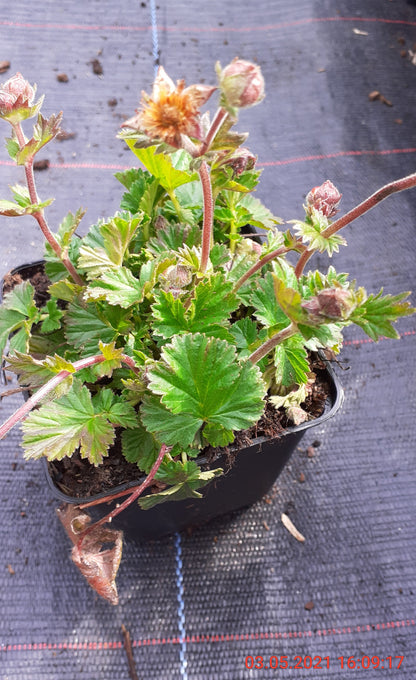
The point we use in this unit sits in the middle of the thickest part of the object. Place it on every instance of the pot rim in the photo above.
(336, 396)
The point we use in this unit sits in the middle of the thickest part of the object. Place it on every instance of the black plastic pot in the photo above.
(253, 473)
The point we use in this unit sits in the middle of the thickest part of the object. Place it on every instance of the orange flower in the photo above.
(171, 111)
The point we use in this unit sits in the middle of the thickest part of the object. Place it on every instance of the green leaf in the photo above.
(65, 290)
(106, 247)
(311, 232)
(54, 267)
(199, 379)
(57, 429)
(11, 209)
(34, 373)
(169, 427)
(86, 326)
(263, 299)
(117, 235)
(211, 307)
(259, 215)
(290, 301)
(18, 312)
(117, 287)
(44, 130)
(317, 281)
(245, 333)
(161, 167)
(23, 204)
(189, 478)
(113, 359)
(115, 408)
(13, 147)
(68, 227)
(95, 261)
(173, 237)
(140, 447)
(376, 313)
(328, 335)
(291, 362)
(53, 320)
(284, 271)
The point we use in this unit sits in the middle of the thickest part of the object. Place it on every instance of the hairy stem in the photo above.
(208, 215)
(219, 118)
(133, 496)
(272, 342)
(258, 265)
(43, 391)
(39, 216)
(369, 203)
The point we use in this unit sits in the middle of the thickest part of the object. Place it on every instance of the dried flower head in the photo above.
(171, 111)
(241, 83)
(325, 199)
(16, 93)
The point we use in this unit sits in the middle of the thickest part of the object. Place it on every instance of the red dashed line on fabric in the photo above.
(337, 154)
(227, 637)
(206, 29)
(287, 161)
(364, 341)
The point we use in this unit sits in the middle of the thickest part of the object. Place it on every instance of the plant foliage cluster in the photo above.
(167, 324)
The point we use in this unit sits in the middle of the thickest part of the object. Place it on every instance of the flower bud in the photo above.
(331, 303)
(241, 84)
(176, 278)
(325, 199)
(15, 95)
(241, 160)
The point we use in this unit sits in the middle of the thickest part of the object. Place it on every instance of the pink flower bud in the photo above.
(16, 93)
(241, 83)
(325, 199)
(331, 303)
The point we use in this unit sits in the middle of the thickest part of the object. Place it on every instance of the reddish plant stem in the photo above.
(272, 342)
(133, 496)
(258, 265)
(109, 497)
(39, 216)
(208, 215)
(369, 203)
(51, 385)
(219, 118)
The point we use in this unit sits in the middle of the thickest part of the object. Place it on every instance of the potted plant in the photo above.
(170, 336)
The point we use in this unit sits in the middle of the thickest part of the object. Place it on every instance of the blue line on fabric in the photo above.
(155, 38)
(181, 607)
(179, 565)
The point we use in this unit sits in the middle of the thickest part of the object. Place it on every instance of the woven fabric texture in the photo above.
(199, 604)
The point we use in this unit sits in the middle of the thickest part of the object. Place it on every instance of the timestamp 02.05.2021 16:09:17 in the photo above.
(365, 662)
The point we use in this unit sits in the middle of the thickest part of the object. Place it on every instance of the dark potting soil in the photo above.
(79, 479)
(34, 273)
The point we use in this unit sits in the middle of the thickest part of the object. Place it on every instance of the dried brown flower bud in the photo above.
(324, 198)
(241, 160)
(241, 84)
(16, 93)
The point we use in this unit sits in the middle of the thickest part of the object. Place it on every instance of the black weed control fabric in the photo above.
(201, 606)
